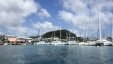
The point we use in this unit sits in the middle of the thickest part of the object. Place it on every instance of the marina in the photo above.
(56, 31)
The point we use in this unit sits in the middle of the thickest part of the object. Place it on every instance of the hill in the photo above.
(62, 34)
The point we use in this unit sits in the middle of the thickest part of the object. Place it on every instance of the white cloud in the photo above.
(13, 12)
(44, 13)
(76, 6)
(45, 25)
(84, 13)
(22, 31)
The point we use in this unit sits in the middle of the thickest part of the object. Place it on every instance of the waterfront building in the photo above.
(21, 40)
(29, 40)
(12, 40)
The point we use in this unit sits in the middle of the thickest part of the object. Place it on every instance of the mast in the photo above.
(60, 31)
(89, 26)
(66, 36)
(69, 34)
(39, 34)
(86, 32)
(53, 35)
(83, 31)
(100, 28)
(112, 30)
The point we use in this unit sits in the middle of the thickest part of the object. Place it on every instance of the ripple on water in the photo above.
(49, 54)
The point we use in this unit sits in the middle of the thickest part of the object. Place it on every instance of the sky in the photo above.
(25, 18)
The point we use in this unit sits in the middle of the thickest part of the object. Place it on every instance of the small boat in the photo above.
(6, 43)
(91, 43)
(72, 43)
(24, 44)
(107, 43)
(40, 42)
(58, 43)
(83, 43)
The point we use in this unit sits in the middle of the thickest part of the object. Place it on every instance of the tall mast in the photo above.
(88, 29)
(69, 33)
(100, 28)
(54, 35)
(39, 33)
(60, 31)
(112, 30)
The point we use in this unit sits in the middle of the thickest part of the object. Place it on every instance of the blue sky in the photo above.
(26, 17)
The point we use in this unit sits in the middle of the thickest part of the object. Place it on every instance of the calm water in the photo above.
(50, 54)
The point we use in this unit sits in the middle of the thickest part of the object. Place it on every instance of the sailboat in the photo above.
(90, 42)
(70, 42)
(101, 40)
(108, 43)
(56, 40)
(87, 42)
(112, 31)
(40, 39)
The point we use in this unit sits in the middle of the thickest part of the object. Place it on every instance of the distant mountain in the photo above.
(62, 34)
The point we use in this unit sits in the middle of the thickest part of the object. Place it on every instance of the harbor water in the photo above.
(60, 54)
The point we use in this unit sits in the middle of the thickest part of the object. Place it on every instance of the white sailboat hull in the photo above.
(72, 42)
(107, 44)
(58, 43)
(104, 42)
